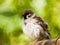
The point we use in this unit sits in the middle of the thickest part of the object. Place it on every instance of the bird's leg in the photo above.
(34, 42)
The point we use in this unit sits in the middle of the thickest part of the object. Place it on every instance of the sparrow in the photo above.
(34, 27)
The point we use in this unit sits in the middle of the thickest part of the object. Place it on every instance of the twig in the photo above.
(48, 42)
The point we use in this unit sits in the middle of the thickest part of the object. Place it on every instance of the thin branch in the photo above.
(48, 42)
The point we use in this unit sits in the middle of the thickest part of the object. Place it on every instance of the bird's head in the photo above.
(28, 14)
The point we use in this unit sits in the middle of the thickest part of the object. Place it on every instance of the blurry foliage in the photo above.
(11, 19)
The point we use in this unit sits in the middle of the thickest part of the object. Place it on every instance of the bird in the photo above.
(34, 26)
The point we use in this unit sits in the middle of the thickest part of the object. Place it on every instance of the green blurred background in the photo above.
(11, 19)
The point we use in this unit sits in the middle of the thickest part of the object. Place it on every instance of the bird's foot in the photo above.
(34, 42)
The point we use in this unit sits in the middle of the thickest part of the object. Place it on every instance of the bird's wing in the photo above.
(42, 23)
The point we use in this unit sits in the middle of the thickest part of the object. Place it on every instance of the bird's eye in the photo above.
(29, 15)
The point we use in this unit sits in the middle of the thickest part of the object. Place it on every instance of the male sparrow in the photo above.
(34, 27)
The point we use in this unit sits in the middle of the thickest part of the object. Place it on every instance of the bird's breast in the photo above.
(32, 29)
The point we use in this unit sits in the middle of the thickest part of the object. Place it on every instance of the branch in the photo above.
(48, 42)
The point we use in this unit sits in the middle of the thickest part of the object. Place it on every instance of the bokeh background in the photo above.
(11, 19)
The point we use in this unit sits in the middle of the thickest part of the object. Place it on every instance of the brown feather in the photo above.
(43, 24)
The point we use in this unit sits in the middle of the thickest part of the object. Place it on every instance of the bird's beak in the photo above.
(23, 15)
